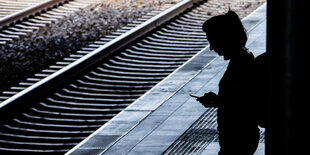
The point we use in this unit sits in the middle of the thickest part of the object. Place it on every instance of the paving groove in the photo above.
(67, 116)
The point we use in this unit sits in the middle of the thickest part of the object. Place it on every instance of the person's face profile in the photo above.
(215, 45)
(219, 45)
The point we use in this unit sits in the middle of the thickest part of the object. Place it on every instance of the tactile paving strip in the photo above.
(200, 135)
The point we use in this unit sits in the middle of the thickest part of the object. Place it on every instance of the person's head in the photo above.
(225, 34)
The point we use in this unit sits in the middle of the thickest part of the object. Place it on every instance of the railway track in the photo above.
(17, 18)
(31, 80)
(8, 7)
(65, 114)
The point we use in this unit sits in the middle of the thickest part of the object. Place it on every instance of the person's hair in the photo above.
(226, 28)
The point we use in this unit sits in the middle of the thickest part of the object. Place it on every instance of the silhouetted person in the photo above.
(237, 125)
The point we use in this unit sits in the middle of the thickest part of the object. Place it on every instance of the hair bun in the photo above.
(233, 16)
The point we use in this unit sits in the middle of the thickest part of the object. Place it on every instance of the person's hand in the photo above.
(208, 99)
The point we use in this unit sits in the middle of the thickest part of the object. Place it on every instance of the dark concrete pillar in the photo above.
(284, 43)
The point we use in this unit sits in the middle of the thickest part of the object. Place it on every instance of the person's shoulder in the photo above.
(264, 56)
(249, 59)
(262, 59)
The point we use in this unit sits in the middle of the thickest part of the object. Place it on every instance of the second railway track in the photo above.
(17, 18)
(60, 119)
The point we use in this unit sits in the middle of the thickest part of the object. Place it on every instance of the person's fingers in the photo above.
(199, 100)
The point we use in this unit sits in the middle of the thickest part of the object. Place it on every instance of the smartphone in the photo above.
(192, 95)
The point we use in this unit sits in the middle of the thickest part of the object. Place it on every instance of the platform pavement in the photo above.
(155, 121)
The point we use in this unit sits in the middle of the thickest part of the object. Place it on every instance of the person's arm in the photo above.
(208, 99)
